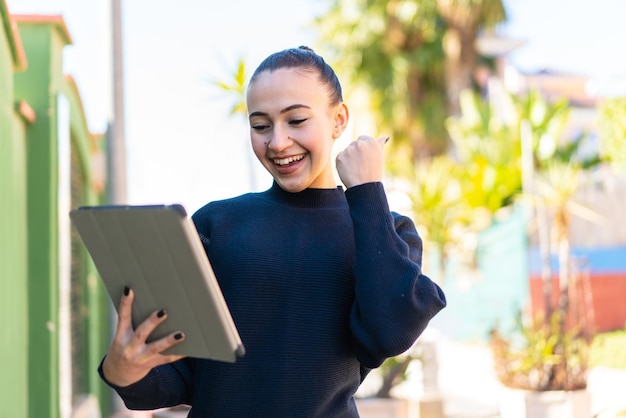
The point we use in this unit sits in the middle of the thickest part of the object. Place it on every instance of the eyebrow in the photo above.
(285, 110)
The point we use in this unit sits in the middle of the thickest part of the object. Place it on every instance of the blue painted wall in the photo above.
(495, 291)
(597, 260)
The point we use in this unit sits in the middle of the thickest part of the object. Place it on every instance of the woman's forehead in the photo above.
(288, 83)
(286, 75)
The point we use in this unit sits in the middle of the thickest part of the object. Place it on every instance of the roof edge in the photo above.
(15, 42)
(56, 20)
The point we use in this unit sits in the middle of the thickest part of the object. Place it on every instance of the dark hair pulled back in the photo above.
(304, 58)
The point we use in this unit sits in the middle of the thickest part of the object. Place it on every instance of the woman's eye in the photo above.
(297, 121)
(259, 128)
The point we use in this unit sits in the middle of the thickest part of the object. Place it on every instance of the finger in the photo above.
(162, 344)
(164, 359)
(156, 348)
(146, 328)
(124, 321)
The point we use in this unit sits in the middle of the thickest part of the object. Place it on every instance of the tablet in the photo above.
(156, 251)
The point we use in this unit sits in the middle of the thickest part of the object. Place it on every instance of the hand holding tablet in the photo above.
(155, 251)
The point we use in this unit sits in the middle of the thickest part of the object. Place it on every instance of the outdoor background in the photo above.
(182, 144)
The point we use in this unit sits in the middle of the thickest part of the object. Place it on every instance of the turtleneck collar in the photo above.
(308, 198)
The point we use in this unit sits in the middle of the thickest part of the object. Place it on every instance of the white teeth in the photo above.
(285, 161)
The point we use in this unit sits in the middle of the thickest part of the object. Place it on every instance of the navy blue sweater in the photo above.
(323, 285)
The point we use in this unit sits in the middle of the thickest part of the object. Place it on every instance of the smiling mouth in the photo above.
(286, 161)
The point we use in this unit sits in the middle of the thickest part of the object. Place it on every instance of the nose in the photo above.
(279, 141)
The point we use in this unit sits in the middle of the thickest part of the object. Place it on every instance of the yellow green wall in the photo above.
(13, 233)
(32, 224)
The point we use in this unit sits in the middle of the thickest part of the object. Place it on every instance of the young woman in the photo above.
(323, 284)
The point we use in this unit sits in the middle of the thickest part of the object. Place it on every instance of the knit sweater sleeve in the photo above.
(394, 301)
(164, 386)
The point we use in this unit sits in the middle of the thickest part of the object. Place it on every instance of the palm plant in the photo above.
(463, 21)
(437, 203)
(556, 187)
(488, 147)
(393, 49)
(489, 143)
(396, 49)
(552, 157)
(452, 197)
(552, 356)
(235, 89)
(612, 121)
(543, 358)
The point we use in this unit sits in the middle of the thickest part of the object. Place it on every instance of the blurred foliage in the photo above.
(437, 201)
(394, 371)
(548, 121)
(488, 148)
(554, 190)
(609, 350)
(397, 50)
(556, 187)
(235, 88)
(612, 122)
(454, 195)
(537, 357)
(551, 357)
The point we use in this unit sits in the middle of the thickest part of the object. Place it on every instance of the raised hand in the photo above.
(362, 161)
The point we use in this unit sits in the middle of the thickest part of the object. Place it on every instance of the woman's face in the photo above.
(293, 127)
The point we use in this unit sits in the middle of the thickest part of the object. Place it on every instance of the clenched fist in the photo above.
(362, 161)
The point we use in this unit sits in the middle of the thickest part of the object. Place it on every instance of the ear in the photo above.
(342, 115)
